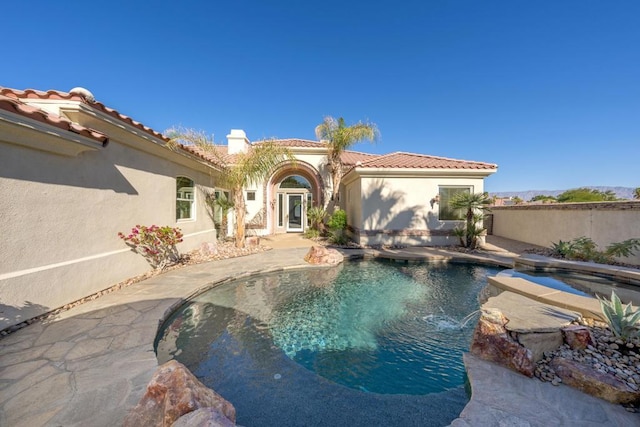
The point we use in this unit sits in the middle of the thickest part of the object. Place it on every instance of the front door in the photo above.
(295, 212)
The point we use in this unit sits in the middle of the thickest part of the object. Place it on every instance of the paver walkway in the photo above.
(91, 364)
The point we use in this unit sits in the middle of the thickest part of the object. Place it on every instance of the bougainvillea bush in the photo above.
(156, 244)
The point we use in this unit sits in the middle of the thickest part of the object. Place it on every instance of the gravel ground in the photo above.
(608, 355)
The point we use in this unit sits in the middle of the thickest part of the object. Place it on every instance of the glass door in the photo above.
(295, 209)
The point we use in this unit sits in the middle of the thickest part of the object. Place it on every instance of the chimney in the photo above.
(237, 141)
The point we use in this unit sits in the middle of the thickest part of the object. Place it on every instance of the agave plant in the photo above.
(624, 322)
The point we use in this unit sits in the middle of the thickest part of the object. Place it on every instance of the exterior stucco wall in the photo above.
(353, 196)
(605, 223)
(61, 216)
(397, 210)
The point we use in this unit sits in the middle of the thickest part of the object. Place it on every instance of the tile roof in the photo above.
(58, 95)
(401, 160)
(218, 158)
(294, 142)
(16, 106)
(350, 158)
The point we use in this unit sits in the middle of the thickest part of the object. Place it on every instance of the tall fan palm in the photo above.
(340, 137)
(238, 171)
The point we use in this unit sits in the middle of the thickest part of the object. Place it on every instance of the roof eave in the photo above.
(53, 139)
(365, 172)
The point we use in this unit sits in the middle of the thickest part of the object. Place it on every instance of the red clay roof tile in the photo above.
(350, 158)
(402, 160)
(295, 142)
(14, 105)
(54, 94)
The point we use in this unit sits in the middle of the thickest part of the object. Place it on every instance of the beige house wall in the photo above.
(543, 225)
(388, 209)
(61, 213)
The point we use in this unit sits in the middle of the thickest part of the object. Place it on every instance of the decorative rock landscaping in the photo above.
(608, 368)
(556, 345)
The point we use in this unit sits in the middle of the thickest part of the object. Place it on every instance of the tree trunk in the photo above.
(224, 226)
(240, 211)
(336, 178)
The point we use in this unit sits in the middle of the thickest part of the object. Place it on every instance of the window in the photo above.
(184, 198)
(251, 196)
(446, 213)
(295, 181)
(280, 210)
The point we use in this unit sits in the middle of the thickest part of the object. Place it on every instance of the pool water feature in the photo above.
(366, 333)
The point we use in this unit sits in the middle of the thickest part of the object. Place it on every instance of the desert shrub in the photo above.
(585, 249)
(316, 215)
(156, 244)
(337, 227)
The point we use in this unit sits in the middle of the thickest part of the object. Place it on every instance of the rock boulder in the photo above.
(203, 417)
(320, 255)
(492, 342)
(577, 337)
(595, 383)
(172, 392)
(208, 248)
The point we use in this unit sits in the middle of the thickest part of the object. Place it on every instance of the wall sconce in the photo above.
(435, 200)
(272, 203)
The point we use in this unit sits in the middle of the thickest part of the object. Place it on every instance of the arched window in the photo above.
(295, 181)
(184, 198)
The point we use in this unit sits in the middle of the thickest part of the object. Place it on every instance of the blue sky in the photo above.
(548, 90)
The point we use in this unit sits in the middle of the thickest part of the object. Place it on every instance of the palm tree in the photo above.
(636, 193)
(238, 171)
(474, 204)
(339, 137)
(222, 205)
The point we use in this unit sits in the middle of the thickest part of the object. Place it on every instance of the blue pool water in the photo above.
(587, 285)
(365, 343)
(550, 280)
(372, 326)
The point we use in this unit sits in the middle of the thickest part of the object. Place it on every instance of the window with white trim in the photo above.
(251, 196)
(185, 198)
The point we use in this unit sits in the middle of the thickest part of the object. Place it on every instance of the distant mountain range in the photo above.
(621, 193)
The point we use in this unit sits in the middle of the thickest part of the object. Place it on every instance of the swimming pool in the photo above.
(574, 282)
(353, 341)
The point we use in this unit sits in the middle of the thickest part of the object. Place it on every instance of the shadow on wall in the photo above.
(87, 170)
(378, 212)
(378, 204)
(11, 315)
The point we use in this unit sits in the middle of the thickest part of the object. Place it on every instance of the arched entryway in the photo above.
(293, 191)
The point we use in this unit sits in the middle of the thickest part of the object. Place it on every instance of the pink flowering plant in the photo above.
(156, 244)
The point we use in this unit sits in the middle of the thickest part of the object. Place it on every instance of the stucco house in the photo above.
(74, 173)
(392, 199)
